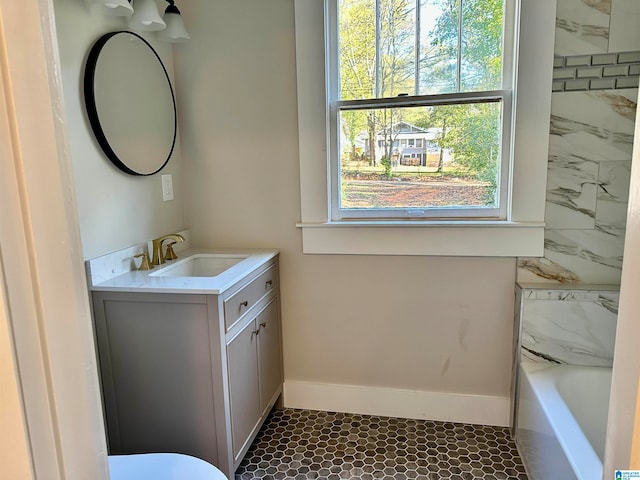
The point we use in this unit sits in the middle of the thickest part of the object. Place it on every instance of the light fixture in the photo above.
(146, 16)
(175, 31)
(113, 8)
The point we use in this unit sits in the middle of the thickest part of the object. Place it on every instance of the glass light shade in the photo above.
(175, 31)
(113, 8)
(146, 16)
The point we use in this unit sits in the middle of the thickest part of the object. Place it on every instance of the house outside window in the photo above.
(514, 227)
(409, 136)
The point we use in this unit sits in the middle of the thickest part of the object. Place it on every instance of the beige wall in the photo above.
(423, 323)
(115, 210)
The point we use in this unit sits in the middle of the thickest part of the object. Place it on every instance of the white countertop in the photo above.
(143, 282)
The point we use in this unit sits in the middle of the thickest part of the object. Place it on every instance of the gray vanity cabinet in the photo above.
(255, 374)
(193, 374)
(269, 354)
(243, 385)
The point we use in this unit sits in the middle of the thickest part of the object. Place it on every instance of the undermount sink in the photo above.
(200, 265)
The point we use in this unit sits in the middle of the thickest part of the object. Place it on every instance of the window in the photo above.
(430, 67)
(511, 225)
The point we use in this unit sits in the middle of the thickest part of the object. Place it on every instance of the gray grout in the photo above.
(596, 72)
(304, 444)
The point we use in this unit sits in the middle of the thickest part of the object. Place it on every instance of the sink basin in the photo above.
(201, 265)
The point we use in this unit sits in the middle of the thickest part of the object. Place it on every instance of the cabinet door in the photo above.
(243, 385)
(269, 352)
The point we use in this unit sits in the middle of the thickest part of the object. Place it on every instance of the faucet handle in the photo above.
(170, 255)
(145, 264)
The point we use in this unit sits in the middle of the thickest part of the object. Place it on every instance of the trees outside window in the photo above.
(436, 65)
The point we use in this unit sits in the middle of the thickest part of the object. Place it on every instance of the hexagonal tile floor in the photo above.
(304, 444)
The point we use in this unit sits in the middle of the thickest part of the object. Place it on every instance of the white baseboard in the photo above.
(389, 402)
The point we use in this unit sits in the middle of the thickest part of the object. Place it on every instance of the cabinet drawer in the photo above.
(240, 302)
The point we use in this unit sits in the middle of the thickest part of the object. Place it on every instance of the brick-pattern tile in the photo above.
(596, 72)
(303, 444)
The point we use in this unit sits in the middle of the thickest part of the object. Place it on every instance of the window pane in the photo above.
(397, 47)
(377, 48)
(456, 165)
(357, 49)
(439, 21)
(481, 45)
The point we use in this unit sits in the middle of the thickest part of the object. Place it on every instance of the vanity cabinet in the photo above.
(255, 373)
(190, 373)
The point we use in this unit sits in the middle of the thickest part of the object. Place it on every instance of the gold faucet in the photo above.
(156, 246)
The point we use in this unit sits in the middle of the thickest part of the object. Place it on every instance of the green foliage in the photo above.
(352, 122)
(470, 132)
(481, 46)
(362, 75)
(397, 43)
(386, 163)
(357, 31)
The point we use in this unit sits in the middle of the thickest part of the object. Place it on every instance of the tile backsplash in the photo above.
(605, 71)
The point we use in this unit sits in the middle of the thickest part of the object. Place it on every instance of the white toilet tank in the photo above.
(161, 466)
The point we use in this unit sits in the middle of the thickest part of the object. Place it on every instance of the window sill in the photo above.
(443, 238)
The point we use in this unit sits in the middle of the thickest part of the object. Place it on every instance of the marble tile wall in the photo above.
(582, 26)
(573, 326)
(597, 26)
(591, 140)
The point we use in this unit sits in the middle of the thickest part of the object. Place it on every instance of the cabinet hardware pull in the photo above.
(257, 331)
(269, 283)
(263, 325)
(243, 304)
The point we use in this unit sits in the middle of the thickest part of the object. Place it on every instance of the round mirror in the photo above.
(130, 103)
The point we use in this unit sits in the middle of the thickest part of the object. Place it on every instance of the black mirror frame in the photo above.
(92, 110)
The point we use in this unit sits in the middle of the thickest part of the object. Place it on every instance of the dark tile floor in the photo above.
(304, 444)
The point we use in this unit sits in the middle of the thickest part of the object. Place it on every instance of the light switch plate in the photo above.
(167, 187)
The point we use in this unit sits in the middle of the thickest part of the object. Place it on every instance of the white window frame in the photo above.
(502, 96)
(521, 233)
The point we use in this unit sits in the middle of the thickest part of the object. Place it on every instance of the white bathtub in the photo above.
(562, 419)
